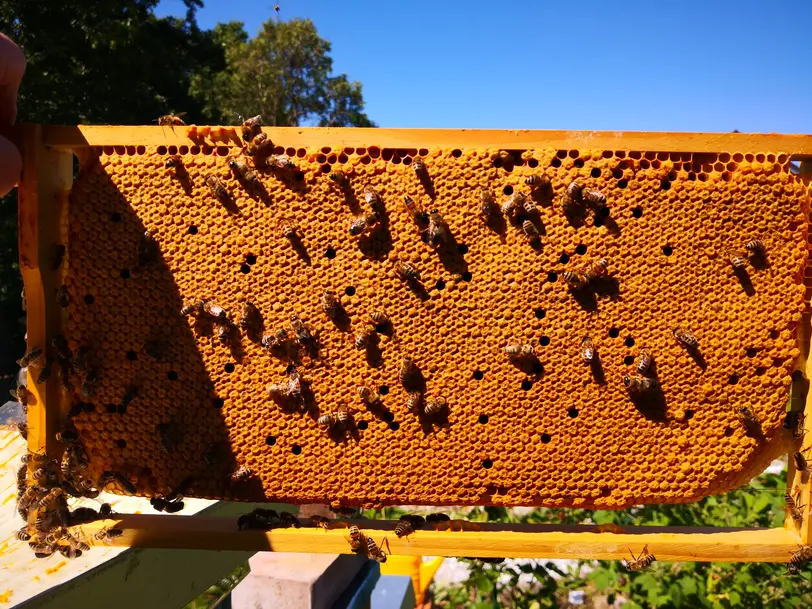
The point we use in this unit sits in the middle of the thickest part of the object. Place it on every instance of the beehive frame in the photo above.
(47, 175)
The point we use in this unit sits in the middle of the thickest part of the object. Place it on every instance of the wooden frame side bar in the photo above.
(42, 198)
(488, 540)
(58, 137)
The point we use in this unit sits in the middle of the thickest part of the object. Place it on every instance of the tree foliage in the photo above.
(115, 62)
(284, 73)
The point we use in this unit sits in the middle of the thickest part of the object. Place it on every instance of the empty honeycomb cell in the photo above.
(663, 233)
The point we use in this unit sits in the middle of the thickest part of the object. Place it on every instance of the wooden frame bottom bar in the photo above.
(477, 540)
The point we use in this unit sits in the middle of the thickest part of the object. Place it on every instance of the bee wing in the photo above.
(180, 114)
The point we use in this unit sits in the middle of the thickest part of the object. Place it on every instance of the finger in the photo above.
(10, 166)
(12, 68)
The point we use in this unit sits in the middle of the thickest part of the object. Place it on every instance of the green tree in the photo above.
(284, 73)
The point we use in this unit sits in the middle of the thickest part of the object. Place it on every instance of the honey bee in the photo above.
(327, 420)
(82, 515)
(213, 310)
(434, 406)
(419, 167)
(793, 509)
(289, 520)
(530, 207)
(46, 371)
(60, 345)
(56, 534)
(409, 373)
(218, 189)
(368, 396)
(154, 349)
(22, 534)
(22, 427)
(302, 335)
(404, 528)
(44, 521)
(639, 384)
(164, 431)
(79, 362)
(438, 229)
(22, 475)
(685, 338)
(356, 539)
(644, 361)
(339, 178)
(241, 474)
(373, 551)
(42, 549)
(513, 203)
(88, 387)
(414, 401)
(736, 259)
(801, 463)
(406, 271)
(280, 162)
(289, 229)
(33, 357)
(640, 562)
(574, 280)
(243, 172)
(799, 559)
(294, 385)
(537, 181)
(51, 496)
(437, 517)
(380, 318)
(415, 211)
(756, 246)
(748, 418)
(357, 227)
(531, 232)
(107, 535)
(251, 128)
(174, 162)
(67, 436)
(147, 250)
(225, 332)
(258, 145)
(574, 191)
(594, 196)
(124, 482)
(515, 351)
(62, 296)
(372, 199)
(364, 338)
(38, 457)
(172, 120)
(321, 522)
(195, 308)
(20, 394)
(249, 317)
(487, 205)
(595, 270)
(587, 350)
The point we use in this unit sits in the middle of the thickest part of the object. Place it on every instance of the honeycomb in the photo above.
(555, 433)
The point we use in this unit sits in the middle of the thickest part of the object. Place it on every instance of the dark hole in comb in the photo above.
(752, 352)
(544, 341)
(629, 342)
(637, 212)
(132, 355)
(229, 368)
(349, 291)
(487, 464)
(330, 253)
(483, 419)
(456, 153)
(111, 408)
(296, 449)
(383, 389)
(667, 250)
(614, 332)
(595, 173)
(270, 440)
(508, 190)
(622, 183)
(466, 276)
(389, 417)
(245, 269)
(540, 313)
(462, 249)
(363, 425)
(605, 491)
(125, 273)
(121, 443)
(552, 276)
(394, 425)
(732, 379)
(665, 185)
(478, 375)
(219, 402)
(728, 431)
(580, 249)
(115, 217)
(440, 285)
(598, 222)
(572, 412)
(563, 258)
(527, 385)
(689, 414)
(172, 375)
(628, 360)
(250, 259)
(193, 230)
(90, 299)
(545, 438)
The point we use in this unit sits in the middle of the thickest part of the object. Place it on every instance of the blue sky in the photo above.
(655, 65)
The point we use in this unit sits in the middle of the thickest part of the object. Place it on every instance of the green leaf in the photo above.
(600, 578)
(762, 502)
(688, 585)
(735, 598)
(647, 582)
(675, 592)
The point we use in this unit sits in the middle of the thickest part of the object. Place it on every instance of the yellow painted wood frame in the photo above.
(43, 198)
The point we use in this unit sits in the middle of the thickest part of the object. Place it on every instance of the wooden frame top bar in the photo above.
(84, 135)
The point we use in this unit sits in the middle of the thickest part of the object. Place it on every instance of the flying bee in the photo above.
(62, 296)
(302, 335)
(748, 418)
(194, 308)
(339, 178)
(575, 191)
(531, 232)
(639, 384)
(241, 474)
(404, 528)
(22, 534)
(172, 120)
(537, 181)
(513, 203)
(419, 167)
(107, 535)
(281, 162)
(20, 394)
(801, 463)
(218, 189)
(368, 396)
(640, 562)
(574, 280)
(487, 205)
(356, 539)
(756, 246)
(685, 338)
(418, 215)
(46, 371)
(434, 406)
(243, 172)
(793, 509)
(251, 128)
(33, 357)
(321, 522)
(597, 269)
(147, 250)
(259, 144)
(124, 482)
(373, 551)
(357, 227)
(406, 271)
(364, 338)
(587, 350)
(174, 162)
(594, 197)
(414, 401)
(799, 559)
(736, 259)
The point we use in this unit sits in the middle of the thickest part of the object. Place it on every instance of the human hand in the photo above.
(12, 68)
